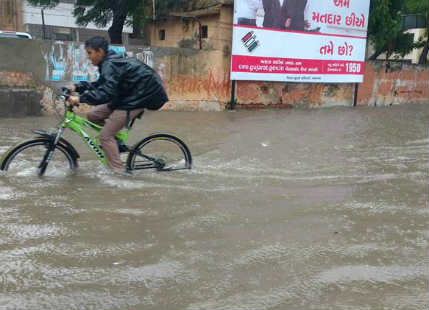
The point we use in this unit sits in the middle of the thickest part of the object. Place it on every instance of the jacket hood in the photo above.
(111, 55)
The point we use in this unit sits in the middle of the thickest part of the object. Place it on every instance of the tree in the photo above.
(119, 12)
(102, 12)
(385, 28)
(422, 8)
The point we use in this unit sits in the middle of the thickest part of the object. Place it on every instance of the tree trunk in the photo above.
(376, 54)
(115, 31)
(137, 29)
(424, 55)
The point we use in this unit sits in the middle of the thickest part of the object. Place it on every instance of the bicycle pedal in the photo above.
(122, 147)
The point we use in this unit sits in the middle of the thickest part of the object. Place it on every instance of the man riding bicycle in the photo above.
(124, 89)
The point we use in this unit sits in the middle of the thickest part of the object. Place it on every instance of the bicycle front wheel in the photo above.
(161, 152)
(26, 159)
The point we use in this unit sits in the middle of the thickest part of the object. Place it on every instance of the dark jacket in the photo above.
(295, 11)
(276, 15)
(124, 84)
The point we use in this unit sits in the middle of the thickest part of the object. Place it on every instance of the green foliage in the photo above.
(421, 7)
(119, 12)
(417, 6)
(385, 28)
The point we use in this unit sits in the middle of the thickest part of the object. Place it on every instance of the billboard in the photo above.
(315, 41)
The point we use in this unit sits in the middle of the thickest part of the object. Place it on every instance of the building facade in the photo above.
(208, 27)
(57, 23)
(11, 15)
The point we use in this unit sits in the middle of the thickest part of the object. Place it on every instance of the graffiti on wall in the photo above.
(213, 85)
(145, 56)
(68, 62)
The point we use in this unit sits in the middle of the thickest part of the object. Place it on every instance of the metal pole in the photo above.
(232, 103)
(154, 7)
(43, 25)
(355, 99)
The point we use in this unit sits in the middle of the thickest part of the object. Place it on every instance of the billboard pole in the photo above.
(355, 98)
(43, 24)
(232, 102)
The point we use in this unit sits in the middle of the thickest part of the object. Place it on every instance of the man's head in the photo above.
(96, 48)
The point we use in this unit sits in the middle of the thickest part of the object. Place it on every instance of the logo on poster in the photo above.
(249, 41)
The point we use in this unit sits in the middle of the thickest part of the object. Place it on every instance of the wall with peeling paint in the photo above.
(196, 81)
(397, 83)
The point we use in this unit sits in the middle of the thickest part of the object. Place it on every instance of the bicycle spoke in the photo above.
(160, 152)
(30, 158)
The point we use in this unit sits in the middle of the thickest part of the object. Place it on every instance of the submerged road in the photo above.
(316, 209)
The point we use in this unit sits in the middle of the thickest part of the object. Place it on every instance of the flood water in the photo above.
(314, 209)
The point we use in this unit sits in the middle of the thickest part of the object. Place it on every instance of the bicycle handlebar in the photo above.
(65, 92)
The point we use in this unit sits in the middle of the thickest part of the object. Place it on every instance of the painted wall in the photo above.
(398, 83)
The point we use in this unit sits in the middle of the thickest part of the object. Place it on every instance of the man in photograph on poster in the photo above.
(275, 13)
(310, 24)
(284, 14)
(246, 10)
(295, 14)
(306, 41)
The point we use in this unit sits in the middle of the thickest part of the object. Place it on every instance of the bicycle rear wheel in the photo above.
(161, 152)
(26, 159)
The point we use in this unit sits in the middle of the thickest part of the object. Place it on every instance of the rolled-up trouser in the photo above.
(113, 121)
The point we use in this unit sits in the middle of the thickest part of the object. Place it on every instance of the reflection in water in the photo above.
(319, 209)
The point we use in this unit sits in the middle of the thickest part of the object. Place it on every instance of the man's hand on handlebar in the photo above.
(74, 100)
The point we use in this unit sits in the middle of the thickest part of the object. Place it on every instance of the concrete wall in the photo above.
(194, 82)
(184, 33)
(398, 83)
(21, 77)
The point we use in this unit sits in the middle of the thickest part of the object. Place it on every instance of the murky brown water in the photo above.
(319, 209)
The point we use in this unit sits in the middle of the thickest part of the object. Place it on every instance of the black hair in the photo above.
(96, 43)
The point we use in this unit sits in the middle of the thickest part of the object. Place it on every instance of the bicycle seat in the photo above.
(139, 116)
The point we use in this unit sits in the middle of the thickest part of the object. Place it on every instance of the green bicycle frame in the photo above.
(77, 124)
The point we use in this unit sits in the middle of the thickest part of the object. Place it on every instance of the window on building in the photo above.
(414, 21)
(162, 34)
(204, 32)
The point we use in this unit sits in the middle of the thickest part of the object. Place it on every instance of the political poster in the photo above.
(318, 41)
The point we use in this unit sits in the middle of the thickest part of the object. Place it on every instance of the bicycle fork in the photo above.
(53, 141)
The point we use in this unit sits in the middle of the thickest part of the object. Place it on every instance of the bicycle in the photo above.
(161, 152)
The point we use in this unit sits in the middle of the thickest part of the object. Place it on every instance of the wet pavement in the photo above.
(315, 209)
